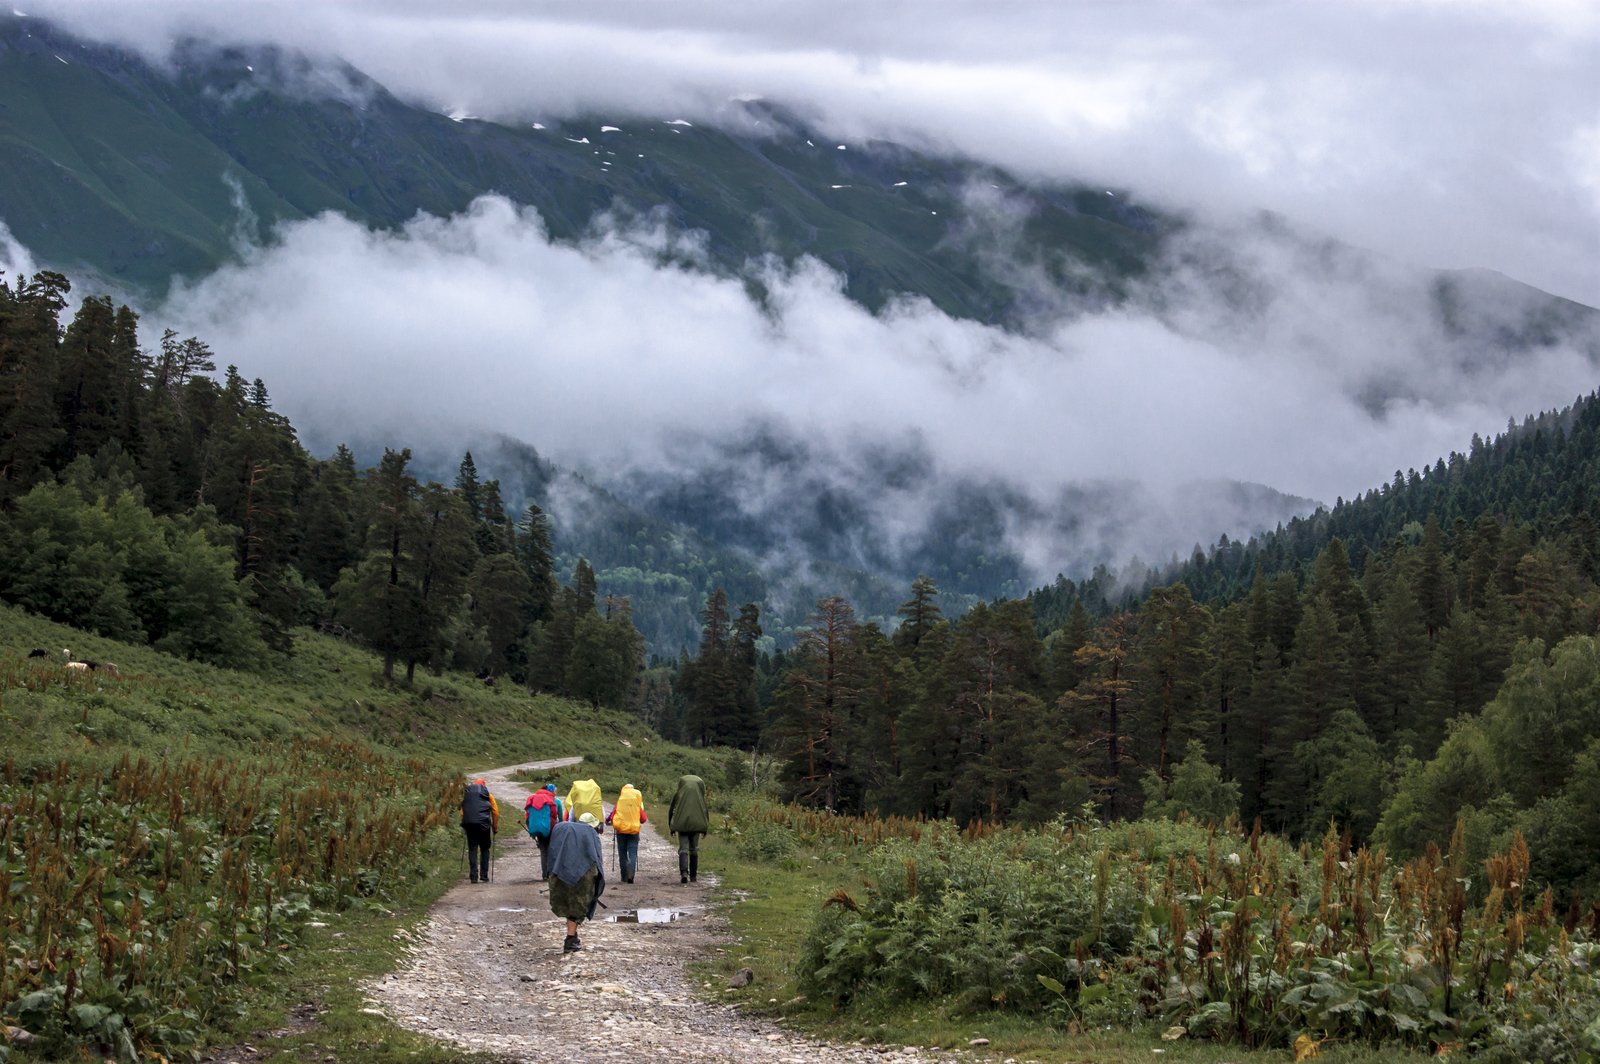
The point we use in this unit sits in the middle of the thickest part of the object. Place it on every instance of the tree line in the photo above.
(1449, 675)
(145, 499)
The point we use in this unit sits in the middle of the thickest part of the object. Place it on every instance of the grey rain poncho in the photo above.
(574, 849)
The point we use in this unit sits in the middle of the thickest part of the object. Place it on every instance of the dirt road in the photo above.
(487, 972)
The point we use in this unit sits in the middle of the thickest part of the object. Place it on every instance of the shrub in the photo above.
(765, 842)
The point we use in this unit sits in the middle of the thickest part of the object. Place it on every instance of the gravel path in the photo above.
(487, 974)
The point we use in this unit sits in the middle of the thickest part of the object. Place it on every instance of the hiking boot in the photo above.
(694, 867)
(571, 945)
(474, 880)
(683, 868)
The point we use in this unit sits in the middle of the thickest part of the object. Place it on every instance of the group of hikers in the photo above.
(568, 833)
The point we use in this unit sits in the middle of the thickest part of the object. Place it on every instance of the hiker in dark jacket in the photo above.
(480, 819)
(688, 818)
(577, 874)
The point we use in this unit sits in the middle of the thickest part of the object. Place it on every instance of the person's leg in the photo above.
(544, 856)
(484, 839)
(627, 855)
(683, 856)
(474, 842)
(694, 858)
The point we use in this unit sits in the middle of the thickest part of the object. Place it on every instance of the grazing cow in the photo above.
(81, 666)
(36, 653)
(109, 666)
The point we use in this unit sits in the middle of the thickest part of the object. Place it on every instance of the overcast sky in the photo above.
(1436, 134)
(1447, 134)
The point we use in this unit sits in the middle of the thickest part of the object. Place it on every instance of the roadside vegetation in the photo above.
(193, 855)
(1196, 939)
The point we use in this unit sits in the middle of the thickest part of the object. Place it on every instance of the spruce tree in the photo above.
(818, 700)
(918, 614)
(381, 600)
(1173, 659)
(536, 550)
(29, 431)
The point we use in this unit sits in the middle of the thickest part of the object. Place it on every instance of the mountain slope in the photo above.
(136, 173)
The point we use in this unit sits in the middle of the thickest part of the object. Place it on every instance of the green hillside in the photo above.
(113, 166)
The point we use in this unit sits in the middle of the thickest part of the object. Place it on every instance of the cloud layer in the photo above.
(1449, 135)
(1316, 381)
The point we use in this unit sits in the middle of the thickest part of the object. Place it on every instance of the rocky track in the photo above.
(486, 970)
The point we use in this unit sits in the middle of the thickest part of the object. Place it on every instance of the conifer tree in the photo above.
(536, 550)
(1098, 711)
(919, 614)
(332, 535)
(28, 367)
(381, 601)
(443, 556)
(1402, 666)
(1063, 674)
(605, 654)
(1173, 660)
(1433, 585)
(500, 591)
(1228, 683)
(468, 488)
(818, 699)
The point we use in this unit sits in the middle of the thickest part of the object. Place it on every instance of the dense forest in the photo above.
(1449, 671)
(145, 500)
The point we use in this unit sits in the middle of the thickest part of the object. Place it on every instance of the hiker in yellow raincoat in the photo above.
(626, 820)
(584, 797)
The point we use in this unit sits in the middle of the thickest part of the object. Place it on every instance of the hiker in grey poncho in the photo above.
(577, 874)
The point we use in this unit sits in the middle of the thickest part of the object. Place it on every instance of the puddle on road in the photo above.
(647, 916)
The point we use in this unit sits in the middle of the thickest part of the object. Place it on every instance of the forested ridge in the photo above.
(145, 500)
(1447, 671)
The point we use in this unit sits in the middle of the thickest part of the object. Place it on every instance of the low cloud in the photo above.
(1315, 372)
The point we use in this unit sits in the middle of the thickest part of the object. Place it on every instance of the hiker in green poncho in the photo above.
(688, 819)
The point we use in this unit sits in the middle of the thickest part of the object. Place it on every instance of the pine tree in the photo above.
(606, 653)
(818, 699)
(1227, 684)
(381, 600)
(1433, 584)
(584, 586)
(332, 535)
(1173, 659)
(1098, 710)
(744, 730)
(1318, 687)
(710, 683)
(443, 556)
(536, 549)
(468, 488)
(28, 368)
(919, 614)
(500, 591)
(1063, 672)
(1402, 646)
